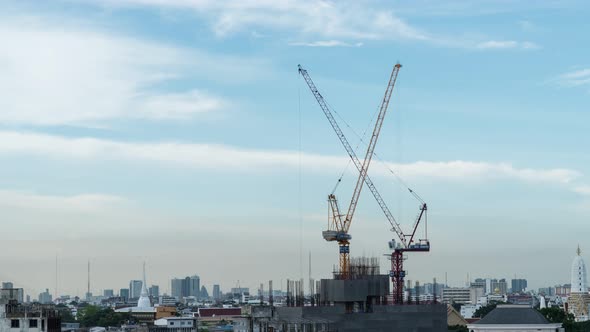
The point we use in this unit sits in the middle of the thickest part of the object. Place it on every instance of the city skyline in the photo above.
(166, 288)
(179, 132)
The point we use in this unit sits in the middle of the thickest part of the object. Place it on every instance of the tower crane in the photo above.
(338, 228)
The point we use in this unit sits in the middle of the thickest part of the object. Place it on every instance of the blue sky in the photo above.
(180, 133)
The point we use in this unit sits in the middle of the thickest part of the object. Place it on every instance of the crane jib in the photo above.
(362, 168)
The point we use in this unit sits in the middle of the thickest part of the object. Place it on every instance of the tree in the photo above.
(65, 313)
(483, 311)
(557, 315)
(92, 315)
(572, 326)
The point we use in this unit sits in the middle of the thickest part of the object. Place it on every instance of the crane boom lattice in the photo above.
(342, 226)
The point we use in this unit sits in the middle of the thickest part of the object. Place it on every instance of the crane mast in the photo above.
(342, 226)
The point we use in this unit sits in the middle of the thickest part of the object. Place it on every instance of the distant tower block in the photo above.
(579, 298)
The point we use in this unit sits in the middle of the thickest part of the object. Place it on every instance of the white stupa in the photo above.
(144, 298)
(144, 305)
(579, 299)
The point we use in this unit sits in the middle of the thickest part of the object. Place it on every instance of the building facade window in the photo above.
(33, 323)
(14, 323)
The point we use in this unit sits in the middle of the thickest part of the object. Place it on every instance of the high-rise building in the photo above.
(11, 294)
(176, 288)
(563, 290)
(547, 291)
(216, 292)
(124, 293)
(7, 285)
(481, 283)
(189, 286)
(45, 297)
(204, 294)
(519, 285)
(496, 287)
(108, 293)
(194, 286)
(155, 291)
(134, 289)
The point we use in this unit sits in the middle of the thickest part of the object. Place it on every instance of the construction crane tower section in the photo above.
(406, 241)
(338, 227)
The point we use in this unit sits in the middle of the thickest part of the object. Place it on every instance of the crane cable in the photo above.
(361, 140)
(358, 144)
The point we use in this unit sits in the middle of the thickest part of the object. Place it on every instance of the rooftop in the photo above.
(513, 314)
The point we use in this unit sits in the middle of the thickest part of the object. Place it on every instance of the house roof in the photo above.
(513, 314)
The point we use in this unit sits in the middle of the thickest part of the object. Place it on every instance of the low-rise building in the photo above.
(17, 317)
(175, 324)
(165, 311)
(523, 299)
(468, 310)
(218, 314)
(70, 327)
(167, 300)
(461, 295)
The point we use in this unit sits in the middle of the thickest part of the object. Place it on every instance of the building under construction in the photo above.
(361, 302)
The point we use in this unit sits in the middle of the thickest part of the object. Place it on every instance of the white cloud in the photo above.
(327, 43)
(460, 169)
(582, 190)
(75, 203)
(575, 78)
(327, 19)
(227, 158)
(54, 74)
(181, 105)
(506, 44)
(526, 25)
(529, 45)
